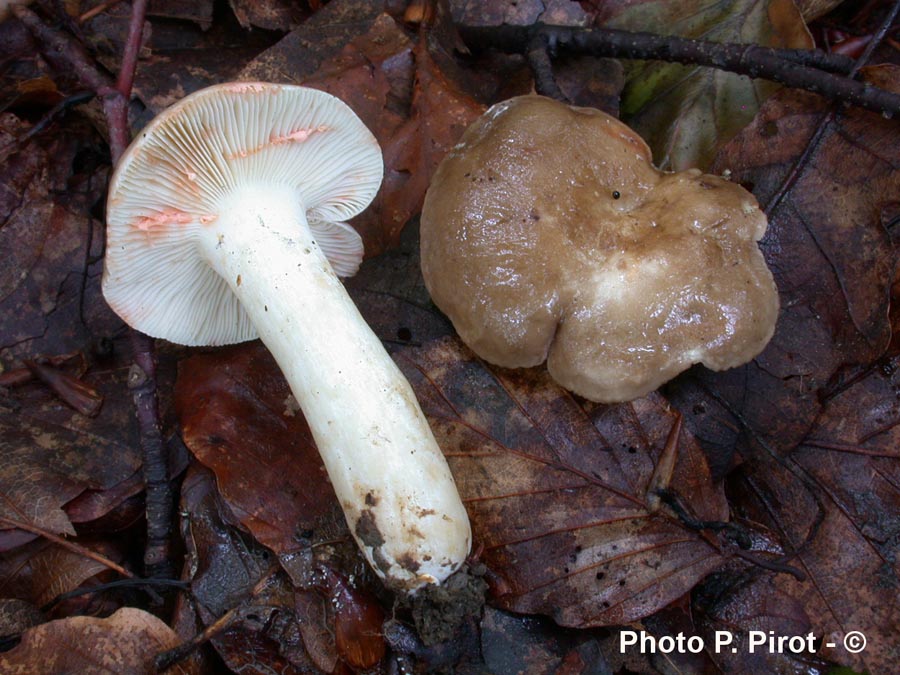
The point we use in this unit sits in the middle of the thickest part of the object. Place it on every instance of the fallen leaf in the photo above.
(686, 113)
(123, 644)
(268, 14)
(521, 13)
(200, 11)
(517, 644)
(833, 262)
(17, 616)
(557, 492)
(755, 605)
(239, 419)
(439, 114)
(394, 85)
(834, 502)
(284, 628)
(300, 53)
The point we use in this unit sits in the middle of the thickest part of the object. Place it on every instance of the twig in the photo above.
(167, 659)
(99, 9)
(147, 584)
(69, 545)
(41, 125)
(542, 69)
(159, 498)
(745, 59)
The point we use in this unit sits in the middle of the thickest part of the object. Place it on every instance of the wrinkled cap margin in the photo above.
(547, 234)
(189, 160)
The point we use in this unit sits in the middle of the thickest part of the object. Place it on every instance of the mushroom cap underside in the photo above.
(547, 234)
(195, 157)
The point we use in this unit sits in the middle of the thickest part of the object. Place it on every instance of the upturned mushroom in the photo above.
(547, 234)
(226, 221)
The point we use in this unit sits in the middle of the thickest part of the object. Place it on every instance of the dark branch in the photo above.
(816, 71)
(542, 68)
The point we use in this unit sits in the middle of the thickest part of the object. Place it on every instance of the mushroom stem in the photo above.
(388, 473)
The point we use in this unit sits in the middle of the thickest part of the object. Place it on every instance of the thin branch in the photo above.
(744, 59)
(542, 69)
(69, 545)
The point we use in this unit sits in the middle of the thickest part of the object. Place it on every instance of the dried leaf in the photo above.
(557, 493)
(51, 455)
(227, 570)
(832, 260)
(758, 606)
(268, 14)
(123, 644)
(415, 111)
(686, 113)
(17, 616)
(516, 644)
(239, 419)
(521, 13)
(439, 115)
(46, 238)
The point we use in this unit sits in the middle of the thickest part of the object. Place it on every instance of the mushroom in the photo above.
(225, 222)
(547, 234)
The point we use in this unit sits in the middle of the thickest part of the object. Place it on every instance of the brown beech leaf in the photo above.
(267, 14)
(557, 490)
(393, 83)
(835, 502)
(123, 644)
(440, 113)
(284, 628)
(520, 644)
(239, 419)
(833, 262)
(43, 237)
(757, 605)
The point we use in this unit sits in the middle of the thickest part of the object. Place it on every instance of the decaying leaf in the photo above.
(557, 492)
(394, 85)
(833, 262)
(845, 473)
(238, 418)
(123, 644)
(686, 113)
(439, 115)
(268, 14)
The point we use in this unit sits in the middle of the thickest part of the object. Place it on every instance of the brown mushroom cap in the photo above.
(547, 234)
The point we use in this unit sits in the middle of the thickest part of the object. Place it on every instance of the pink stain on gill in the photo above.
(297, 136)
(160, 223)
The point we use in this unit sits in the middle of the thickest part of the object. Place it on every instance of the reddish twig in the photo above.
(132, 50)
(73, 391)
